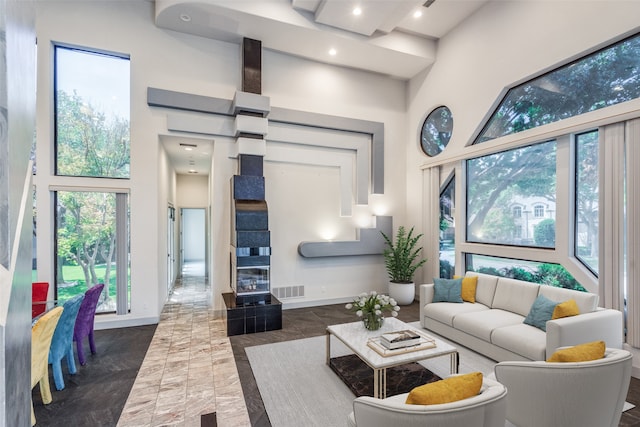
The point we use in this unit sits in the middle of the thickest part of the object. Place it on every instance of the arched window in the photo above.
(517, 212)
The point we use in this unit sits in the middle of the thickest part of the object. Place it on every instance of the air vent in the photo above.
(182, 144)
(428, 3)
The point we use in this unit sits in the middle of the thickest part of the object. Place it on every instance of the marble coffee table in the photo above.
(356, 337)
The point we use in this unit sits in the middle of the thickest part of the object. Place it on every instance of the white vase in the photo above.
(403, 293)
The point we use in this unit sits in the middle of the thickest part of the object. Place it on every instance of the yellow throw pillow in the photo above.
(579, 353)
(448, 390)
(469, 285)
(565, 309)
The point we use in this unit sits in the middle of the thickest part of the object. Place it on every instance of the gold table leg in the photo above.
(328, 334)
(380, 383)
(453, 368)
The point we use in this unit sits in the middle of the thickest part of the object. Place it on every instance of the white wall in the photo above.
(192, 191)
(174, 61)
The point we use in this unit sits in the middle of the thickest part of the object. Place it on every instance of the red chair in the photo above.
(84, 321)
(39, 292)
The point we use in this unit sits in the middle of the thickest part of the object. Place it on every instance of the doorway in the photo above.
(192, 241)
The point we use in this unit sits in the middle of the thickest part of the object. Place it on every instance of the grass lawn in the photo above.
(75, 284)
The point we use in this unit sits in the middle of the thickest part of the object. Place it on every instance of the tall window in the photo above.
(604, 78)
(88, 227)
(91, 93)
(496, 182)
(447, 230)
(587, 212)
(91, 113)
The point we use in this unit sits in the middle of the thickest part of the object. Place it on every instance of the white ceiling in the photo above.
(188, 155)
(385, 37)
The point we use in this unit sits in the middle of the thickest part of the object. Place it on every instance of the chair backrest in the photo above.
(39, 293)
(580, 394)
(87, 312)
(487, 409)
(41, 335)
(63, 334)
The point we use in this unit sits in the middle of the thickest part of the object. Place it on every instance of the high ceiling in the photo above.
(397, 38)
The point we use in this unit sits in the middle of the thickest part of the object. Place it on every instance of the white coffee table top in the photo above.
(355, 336)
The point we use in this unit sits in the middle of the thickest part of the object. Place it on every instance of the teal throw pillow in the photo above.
(541, 311)
(447, 290)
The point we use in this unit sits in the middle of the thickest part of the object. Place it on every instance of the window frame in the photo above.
(487, 121)
(122, 253)
(75, 48)
(466, 161)
(576, 222)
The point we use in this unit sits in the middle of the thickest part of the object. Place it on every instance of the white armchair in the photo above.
(573, 394)
(487, 409)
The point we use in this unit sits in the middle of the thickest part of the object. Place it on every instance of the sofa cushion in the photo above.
(482, 323)
(447, 290)
(579, 353)
(586, 301)
(469, 285)
(541, 312)
(522, 339)
(566, 309)
(486, 287)
(451, 389)
(445, 312)
(515, 295)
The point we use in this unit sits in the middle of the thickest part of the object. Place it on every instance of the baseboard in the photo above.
(288, 305)
(113, 321)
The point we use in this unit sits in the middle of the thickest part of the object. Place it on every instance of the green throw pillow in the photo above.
(541, 311)
(447, 290)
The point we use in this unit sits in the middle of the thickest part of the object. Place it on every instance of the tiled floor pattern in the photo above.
(189, 369)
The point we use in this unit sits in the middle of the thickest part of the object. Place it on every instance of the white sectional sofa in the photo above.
(493, 325)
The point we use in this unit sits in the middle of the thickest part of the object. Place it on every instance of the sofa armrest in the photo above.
(426, 297)
(602, 324)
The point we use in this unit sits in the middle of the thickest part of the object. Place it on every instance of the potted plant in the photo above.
(402, 259)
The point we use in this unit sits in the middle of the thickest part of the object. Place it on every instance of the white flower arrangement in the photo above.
(373, 303)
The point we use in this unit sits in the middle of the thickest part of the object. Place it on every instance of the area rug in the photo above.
(298, 388)
(359, 377)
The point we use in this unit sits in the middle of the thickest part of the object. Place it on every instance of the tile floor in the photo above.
(189, 369)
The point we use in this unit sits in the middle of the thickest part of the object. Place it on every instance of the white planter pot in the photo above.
(403, 293)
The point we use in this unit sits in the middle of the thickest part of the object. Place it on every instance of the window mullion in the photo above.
(122, 254)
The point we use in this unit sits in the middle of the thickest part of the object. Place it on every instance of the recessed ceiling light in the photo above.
(333, 52)
(185, 17)
(188, 147)
(417, 14)
(357, 11)
(192, 171)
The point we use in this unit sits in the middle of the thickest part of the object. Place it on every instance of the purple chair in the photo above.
(84, 321)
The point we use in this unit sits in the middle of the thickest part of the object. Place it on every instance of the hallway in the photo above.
(189, 369)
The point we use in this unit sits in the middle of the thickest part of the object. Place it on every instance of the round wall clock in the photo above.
(436, 131)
